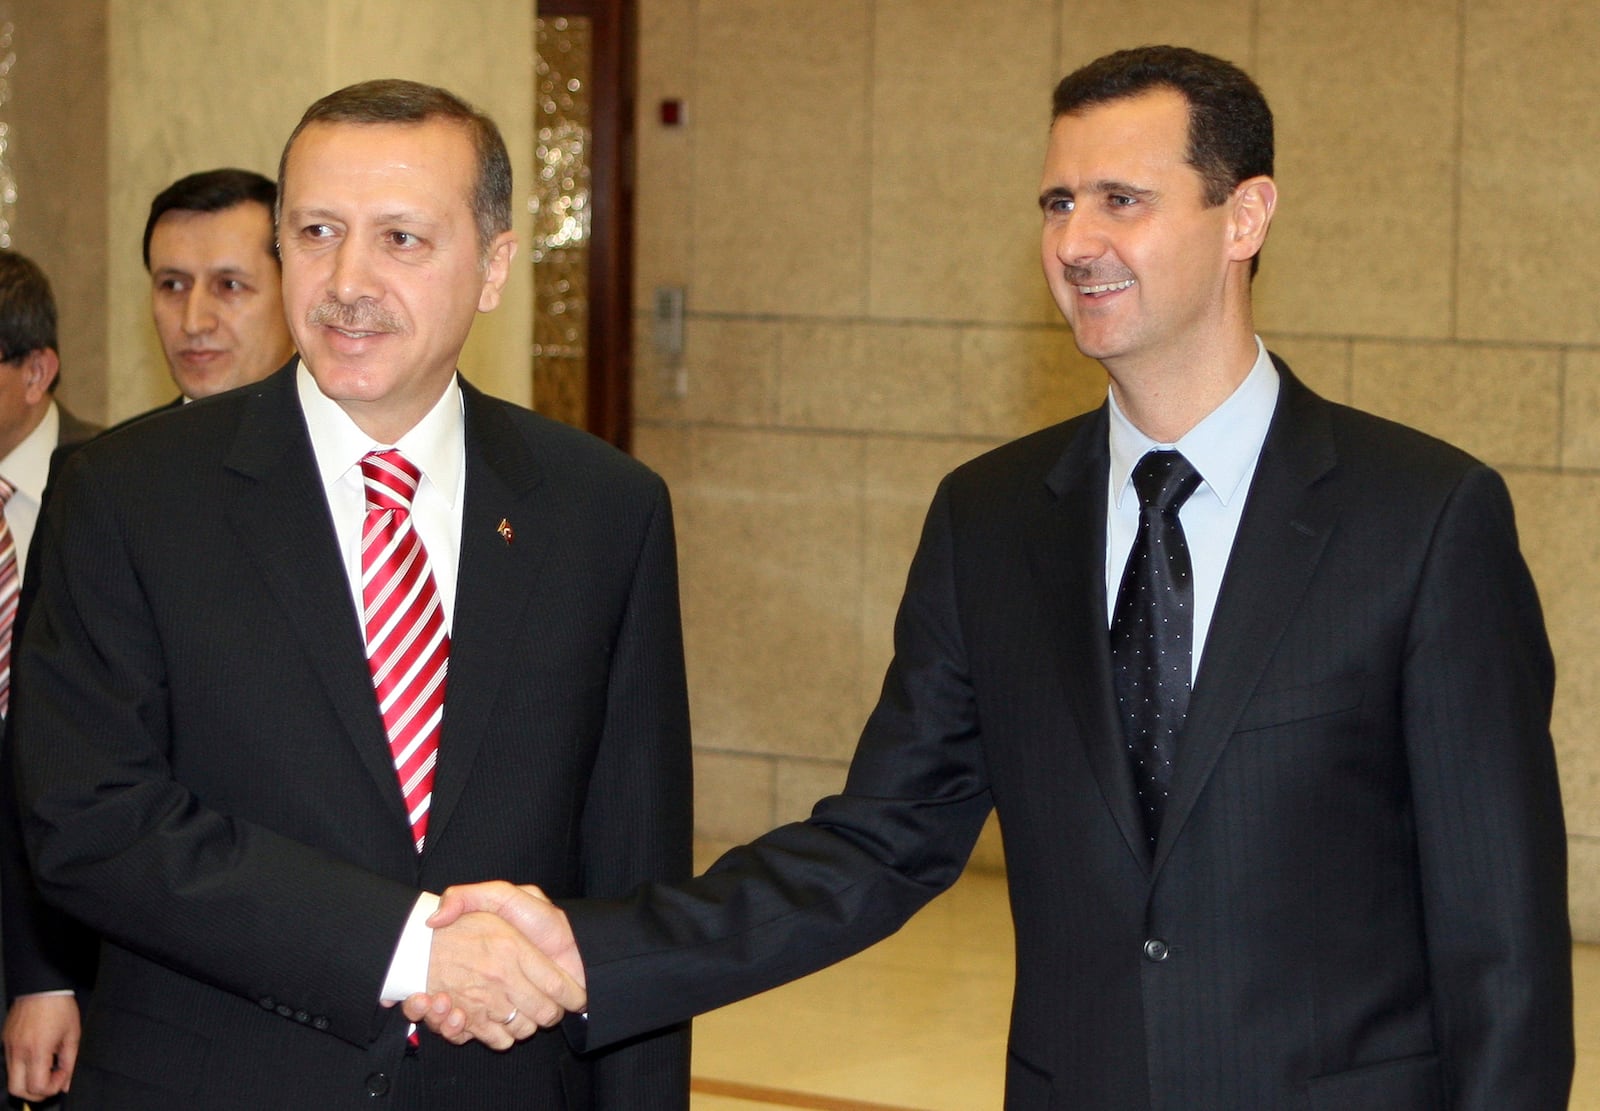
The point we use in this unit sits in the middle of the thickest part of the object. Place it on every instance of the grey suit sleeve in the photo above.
(117, 842)
(1477, 689)
(811, 893)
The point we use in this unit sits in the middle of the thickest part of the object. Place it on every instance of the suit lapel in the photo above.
(1281, 537)
(493, 587)
(1069, 562)
(281, 518)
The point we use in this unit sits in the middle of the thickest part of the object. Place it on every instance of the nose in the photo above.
(199, 311)
(354, 277)
(1078, 239)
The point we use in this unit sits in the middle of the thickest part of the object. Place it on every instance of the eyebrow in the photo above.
(226, 270)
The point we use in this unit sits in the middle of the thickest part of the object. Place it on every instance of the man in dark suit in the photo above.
(33, 426)
(206, 775)
(1336, 879)
(211, 251)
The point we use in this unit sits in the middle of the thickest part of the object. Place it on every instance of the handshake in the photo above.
(503, 965)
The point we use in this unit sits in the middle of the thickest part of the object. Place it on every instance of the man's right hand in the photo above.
(41, 1038)
(498, 926)
(499, 953)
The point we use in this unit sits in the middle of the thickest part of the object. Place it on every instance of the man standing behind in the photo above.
(312, 650)
(211, 252)
(214, 280)
(32, 426)
(32, 423)
(1257, 684)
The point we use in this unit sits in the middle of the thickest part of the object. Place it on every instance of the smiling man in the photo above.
(209, 248)
(317, 649)
(1257, 684)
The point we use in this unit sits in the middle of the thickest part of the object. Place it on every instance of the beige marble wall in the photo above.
(57, 135)
(850, 207)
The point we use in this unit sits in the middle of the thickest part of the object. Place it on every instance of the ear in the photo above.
(38, 373)
(496, 273)
(1254, 201)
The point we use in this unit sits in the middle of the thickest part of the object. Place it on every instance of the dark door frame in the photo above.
(613, 86)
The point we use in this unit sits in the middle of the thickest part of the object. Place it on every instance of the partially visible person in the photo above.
(215, 280)
(216, 296)
(32, 426)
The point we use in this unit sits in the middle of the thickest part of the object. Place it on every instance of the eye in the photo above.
(232, 285)
(1121, 200)
(170, 285)
(403, 239)
(316, 231)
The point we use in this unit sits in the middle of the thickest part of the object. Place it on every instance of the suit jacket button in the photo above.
(320, 1022)
(285, 1010)
(377, 1084)
(1156, 950)
(267, 1002)
(302, 1017)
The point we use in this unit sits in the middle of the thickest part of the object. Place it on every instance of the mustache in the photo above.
(1088, 275)
(362, 316)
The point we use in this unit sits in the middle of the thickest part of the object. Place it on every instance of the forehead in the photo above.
(1129, 140)
(332, 165)
(231, 237)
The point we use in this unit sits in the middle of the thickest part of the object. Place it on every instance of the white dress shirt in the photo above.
(28, 468)
(1223, 448)
(437, 444)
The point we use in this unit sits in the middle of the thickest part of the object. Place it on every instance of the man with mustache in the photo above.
(310, 652)
(1257, 685)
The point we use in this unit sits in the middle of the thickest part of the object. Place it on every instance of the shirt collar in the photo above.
(28, 466)
(436, 443)
(1222, 448)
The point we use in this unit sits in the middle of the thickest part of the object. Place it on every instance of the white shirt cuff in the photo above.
(408, 972)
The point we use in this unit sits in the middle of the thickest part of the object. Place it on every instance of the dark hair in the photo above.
(27, 308)
(1230, 125)
(211, 191)
(391, 100)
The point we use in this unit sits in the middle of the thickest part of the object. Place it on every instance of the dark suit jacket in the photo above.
(205, 780)
(1358, 897)
(58, 942)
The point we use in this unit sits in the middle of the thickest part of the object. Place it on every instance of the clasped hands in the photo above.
(503, 965)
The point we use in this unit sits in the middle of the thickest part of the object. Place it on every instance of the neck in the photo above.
(1166, 398)
(34, 418)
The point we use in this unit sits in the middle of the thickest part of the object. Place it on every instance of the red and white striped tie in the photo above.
(408, 646)
(10, 584)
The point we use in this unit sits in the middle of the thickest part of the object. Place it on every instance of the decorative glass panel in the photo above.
(8, 182)
(560, 207)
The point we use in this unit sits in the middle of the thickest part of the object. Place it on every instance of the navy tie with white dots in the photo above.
(1152, 631)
